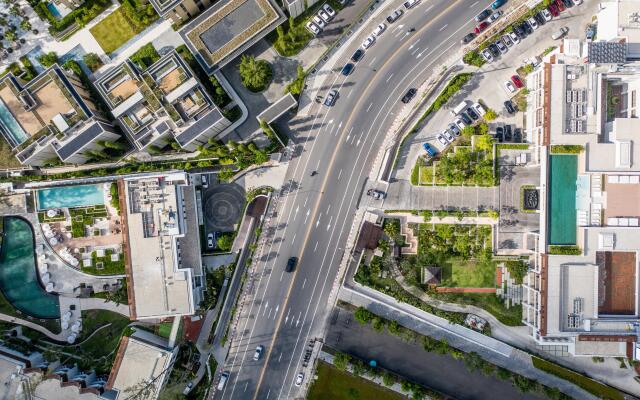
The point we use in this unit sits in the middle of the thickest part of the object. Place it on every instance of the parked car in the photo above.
(507, 40)
(507, 133)
(577, 2)
(368, 42)
(318, 21)
(327, 8)
(520, 31)
(546, 14)
(509, 86)
(517, 81)
(480, 109)
(440, 138)
(468, 38)
(454, 128)
(460, 123)
(514, 37)
(376, 194)
(553, 9)
(508, 105)
(379, 29)
(410, 3)
(501, 47)
(299, 379)
(486, 54)
(466, 118)
(347, 69)
(483, 15)
(394, 16)
(409, 95)
(291, 264)
(533, 23)
(493, 17)
(313, 28)
(539, 18)
(560, 33)
(500, 134)
(210, 242)
(331, 98)
(357, 55)
(481, 27)
(527, 27)
(517, 135)
(567, 3)
(325, 17)
(473, 114)
(495, 51)
(560, 5)
(258, 353)
(447, 135)
(429, 149)
(590, 33)
(497, 4)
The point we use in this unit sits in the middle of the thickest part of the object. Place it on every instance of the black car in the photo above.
(473, 114)
(483, 15)
(409, 95)
(469, 37)
(517, 135)
(567, 3)
(465, 118)
(347, 69)
(509, 106)
(519, 31)
(500, 134)
(291, 264)
(357, 55)
(495, 51)
(539, 18)
(527, 27)
(507, 133)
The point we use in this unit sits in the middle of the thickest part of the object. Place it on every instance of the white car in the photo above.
(258, 353)
(327, 8)
(447, 135)
(368, 42)
(507, 40)
(443, 141)
(577, 2)
(379, 29)
(480, 109)
(503, 49)
(534, 24)
(454, 128)
(493, 17)
(299, 379)
(410, 3)
(510, 87)
(325, 17)
(210, 241)
(460, 123)
(486, 54)
(546, 14)
(515, 38)
(318, 21)
(313, 28)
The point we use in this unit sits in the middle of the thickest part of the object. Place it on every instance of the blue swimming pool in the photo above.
(563, 176)
(54, 10)
(16, 134)
(70, 196)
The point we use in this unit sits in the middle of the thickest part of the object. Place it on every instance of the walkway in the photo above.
(402, 195)
(19, 321)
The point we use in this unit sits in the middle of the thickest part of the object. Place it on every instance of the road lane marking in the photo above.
(443, 28)
(265, 309)
(306, 216)
(415, 43)
(305, 279)
(415, 51)
(279, 358)
(294, 239)
(369, 108)
(276, 312)
(372, 61)
(329, 225)
(328, 208)
(474, 4)
(340, 174)
(387, 81)
(305, 203)
(428, 8)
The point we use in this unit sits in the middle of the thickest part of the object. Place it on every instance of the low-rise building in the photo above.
(51, 117)
(162, 103)
(179, 11)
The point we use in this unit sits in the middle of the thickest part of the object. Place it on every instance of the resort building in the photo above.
(141, 367)
(228, 28)
(51, 117)
(163, 265)
(582, 295)
(179, 11)
(162, 103)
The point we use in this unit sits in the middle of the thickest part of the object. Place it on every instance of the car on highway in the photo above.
(501, 47)
(560, 33)
(224, 377)
(508, 105)
(368, 42)
(409, 95)
(473, 114)
(465, 118)
(327, 8)
(590, 33)
(460, 123)
(486, 54)
(313, 28)
(454, 128)
(299, 379)
(447, 135)
(514, 37)
(507, 40)
(379, 29)
(546, 14)
(394, 16)
(347, 69)
(330, 100)
(318, 21)
(410, 4)
(468, 38)
(258, 353)
(480, 109)
(443, 141)
(534, 24)
(494, 17)
(517, 82)
(509, 86)
(497, 4)
(481, 27)
(325, 17)
(376, 194)
(357, 55)
(429, 149)
(484, 14)
(291, 264)
(210, 243)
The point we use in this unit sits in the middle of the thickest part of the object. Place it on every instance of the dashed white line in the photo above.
(473, 5)
(315, 247)
(349, 93)
(388, 79)
(305, 281)
(369, 108)
(339, 174)
(415, 51)
(372, 61)
(294, 239)
(443, 28)
(428, 8)
(279, 358)
(328, 208)
(414, 44)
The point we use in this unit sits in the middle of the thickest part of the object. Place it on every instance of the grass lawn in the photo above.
(113, 31)
(596, 388)
(488, 301)
(426, 175)
(337, 385)
(470, 273)
(99, 350)
(9, 160)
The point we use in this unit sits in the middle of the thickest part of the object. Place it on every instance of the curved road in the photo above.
(314, 219)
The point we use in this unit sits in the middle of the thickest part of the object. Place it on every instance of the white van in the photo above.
(460, 108)
(223, 380)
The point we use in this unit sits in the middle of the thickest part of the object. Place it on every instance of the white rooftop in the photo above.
(619, 19)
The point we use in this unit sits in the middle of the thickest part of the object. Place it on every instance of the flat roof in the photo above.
(623, 199)
(197, 128)
(572, 289)
(616, 282)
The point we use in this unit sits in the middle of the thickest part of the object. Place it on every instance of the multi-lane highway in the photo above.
(314, 219)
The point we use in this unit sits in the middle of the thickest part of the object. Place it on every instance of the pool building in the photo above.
(51, 117)
(582, 296)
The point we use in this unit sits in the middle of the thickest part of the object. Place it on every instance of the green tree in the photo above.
(255, 74)
(48, 59)
(473, 58)
(10, 35)
(25, 25)
(280, 32)
(341, 361)
(388, 379)
(469, 131)
(490, 115)
(93, 61)
(363, 316)
(226, 174)
(224, 242)
(484, 142)
(482, 128)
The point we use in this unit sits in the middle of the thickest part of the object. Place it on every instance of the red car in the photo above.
(481, 26)
(517, 82)
(560, 5)
(553, 10)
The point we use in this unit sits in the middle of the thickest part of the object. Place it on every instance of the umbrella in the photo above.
(64, 325)
(52, 213)
(46, 277)
(50, 287)
(53, 241)
(66, 316)
(72, 338)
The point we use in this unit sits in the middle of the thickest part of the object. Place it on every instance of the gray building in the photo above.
(179, 11)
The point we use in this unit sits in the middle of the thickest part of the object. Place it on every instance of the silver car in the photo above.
(443, 141)
(258, 353)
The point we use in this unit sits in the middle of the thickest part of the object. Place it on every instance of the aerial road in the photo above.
(314, 218)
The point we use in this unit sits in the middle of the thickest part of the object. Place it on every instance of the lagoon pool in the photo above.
(563, 175)
(19, 281)
(12, 128)
(70, 196)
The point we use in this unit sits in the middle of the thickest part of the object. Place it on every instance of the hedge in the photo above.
(565, 250)
(566, 149)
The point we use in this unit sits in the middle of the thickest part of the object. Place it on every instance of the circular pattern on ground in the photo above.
(222, 207)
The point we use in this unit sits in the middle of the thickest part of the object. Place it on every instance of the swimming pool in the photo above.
(562, 199)
(18, 276)
(16, 134)
(54, 10)
(70, 196)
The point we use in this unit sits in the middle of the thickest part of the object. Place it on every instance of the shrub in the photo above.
(517, 269)
(566, 149)
(219, 96)
(363, 316)
(255, 74)
(341, 361)
(93, 61)
(297, 85)
(565, 250)
(490, 115)
(145, 56)
(473, 58)
(225, 241)
(48, 59)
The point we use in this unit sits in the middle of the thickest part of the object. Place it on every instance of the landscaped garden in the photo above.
(109, 263)
(81, 217)
(123, 24)
(256, 75)
(79, 17)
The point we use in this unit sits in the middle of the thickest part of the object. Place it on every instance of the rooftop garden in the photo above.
(82, 217)
(62, 28)
(105, 265)
(123, 24)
